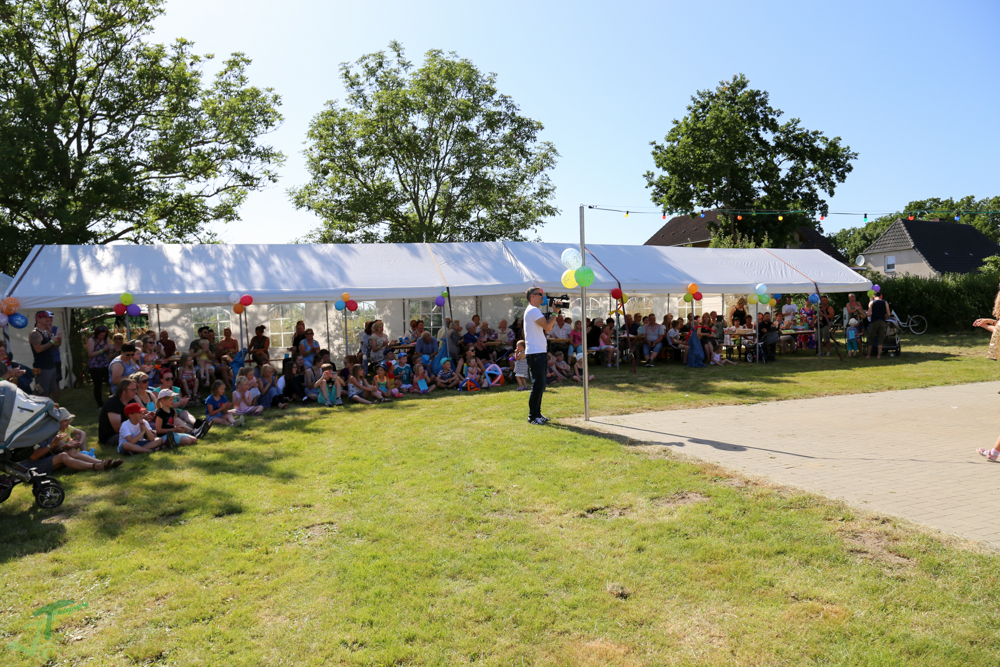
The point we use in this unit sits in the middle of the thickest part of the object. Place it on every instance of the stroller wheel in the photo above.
(48, 494)
(750, 357)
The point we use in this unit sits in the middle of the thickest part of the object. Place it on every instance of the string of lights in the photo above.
(781, 213)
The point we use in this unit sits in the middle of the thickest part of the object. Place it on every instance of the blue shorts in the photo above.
(121, 446)
(852, 345)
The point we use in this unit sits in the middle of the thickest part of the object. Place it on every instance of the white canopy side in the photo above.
(95, 276)
(4, 281)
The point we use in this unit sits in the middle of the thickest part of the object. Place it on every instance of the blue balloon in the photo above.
(18, 320)
(777, 296)
(545, 300)
(814, 298)
(340, 305)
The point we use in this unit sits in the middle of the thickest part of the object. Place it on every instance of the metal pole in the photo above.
(329, 342)
(347, 349)
(583, 301)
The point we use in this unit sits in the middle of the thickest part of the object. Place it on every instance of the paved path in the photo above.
(908, 453)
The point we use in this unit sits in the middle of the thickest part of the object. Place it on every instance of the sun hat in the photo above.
(425, 359)
(853, 322)
(132, 408)
(65, 414)
(165, 393)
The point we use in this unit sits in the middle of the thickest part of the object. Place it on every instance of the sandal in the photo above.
(115, 463)
(986, 453)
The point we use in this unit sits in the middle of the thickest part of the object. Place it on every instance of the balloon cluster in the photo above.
(239, 302)
(875, 288)
(125, 306)
(439, 302)
(346, 302)
(693, 294)
(761, 296)
(619, 295)
(576, 274)
(9, 314)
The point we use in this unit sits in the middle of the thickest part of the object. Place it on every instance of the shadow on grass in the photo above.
(27, 533)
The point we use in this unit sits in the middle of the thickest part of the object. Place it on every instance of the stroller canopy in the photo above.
(25, 421)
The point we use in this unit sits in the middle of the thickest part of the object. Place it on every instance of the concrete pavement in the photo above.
(907, 453)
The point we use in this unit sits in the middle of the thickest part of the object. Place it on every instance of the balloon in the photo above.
(439, 301)
(120, 308)
(545, 300)
(234, 298)
(571, 259)
(688, 298)
(569, 279)
(752, 299)
(772, 302)
(761, 289)
(763, 299)
(9, 305)
(871, 293)
(18, 320)
(777, 296)
(616, 294)
(697, 296)
(624, 297)
(246, 300)
(692, 288)
(814, 298)
(346, 297)
(3, 320)
(876, 288)
(133, 310)
(340, 305)
(445, 294)
(126, 298)
(352, 305)
(585, 276)
(239, 308)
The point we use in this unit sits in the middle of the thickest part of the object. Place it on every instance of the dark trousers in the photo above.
(538, 366)
(99, 377)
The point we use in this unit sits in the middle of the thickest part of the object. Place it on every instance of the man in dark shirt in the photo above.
(763, 328)
(113, 411)
(168, 346)
(878, 312)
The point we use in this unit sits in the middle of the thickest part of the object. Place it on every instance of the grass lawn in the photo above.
(446, 530)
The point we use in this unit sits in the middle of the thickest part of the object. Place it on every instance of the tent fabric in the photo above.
(94, 276)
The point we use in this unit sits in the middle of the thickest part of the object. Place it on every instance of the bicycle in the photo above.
(917, 324)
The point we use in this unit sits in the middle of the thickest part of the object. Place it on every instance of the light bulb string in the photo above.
(628, 211)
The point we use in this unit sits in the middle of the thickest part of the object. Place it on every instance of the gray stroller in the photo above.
(25, 422)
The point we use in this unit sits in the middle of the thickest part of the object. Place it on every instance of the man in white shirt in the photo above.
(560, 329)
(536, 326)
(789, 309)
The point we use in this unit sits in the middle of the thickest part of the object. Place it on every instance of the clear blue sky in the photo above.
(910, 86)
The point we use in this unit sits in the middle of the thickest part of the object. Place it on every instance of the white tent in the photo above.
(95, 276)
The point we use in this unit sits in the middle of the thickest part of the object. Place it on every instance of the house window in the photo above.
(281, 322)
(216, 318)
(890, 263)
(426, 311)
(356, 324)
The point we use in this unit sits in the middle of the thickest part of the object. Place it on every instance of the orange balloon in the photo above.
(692, 288)
(238, 308)
(9, 305)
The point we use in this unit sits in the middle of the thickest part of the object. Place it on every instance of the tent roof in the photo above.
(94, 276)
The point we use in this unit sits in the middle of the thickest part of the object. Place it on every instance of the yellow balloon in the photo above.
(624, 297)
(772, 302)
(569, 279)
(752, 299)
(346, 297)
(126, 298)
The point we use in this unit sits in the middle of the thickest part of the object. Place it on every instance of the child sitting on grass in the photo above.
(358, 390)
(447, 379)
(578, 369)
(188, 379)
(553, 374)
(243, 402)
(217, 407)
(420, 373)
(175, 432)
(383, 384)
(71, 437)
(404, 374)
(520, 367)
(135, 436)
(330, 386)
(561, 365)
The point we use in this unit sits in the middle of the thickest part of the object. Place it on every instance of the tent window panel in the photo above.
(597, 307)
(356, 324)
(426, 311)
(517, 310)
(281, 322)
(639, 305)
(216, 318)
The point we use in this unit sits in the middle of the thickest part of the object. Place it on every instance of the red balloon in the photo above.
(352, 305)
(246, 300)
(120, 309)
(616, 294)
(697, 296)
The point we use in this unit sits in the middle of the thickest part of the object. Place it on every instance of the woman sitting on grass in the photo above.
(58, 452)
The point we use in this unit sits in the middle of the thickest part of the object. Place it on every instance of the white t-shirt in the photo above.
(561, 331)
(534, 335)
(129, 430)
(789, 309)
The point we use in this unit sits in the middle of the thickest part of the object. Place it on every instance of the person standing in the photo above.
(878, 312)
(43, 345)
(826, 315)
(98, 346)
(536, 327)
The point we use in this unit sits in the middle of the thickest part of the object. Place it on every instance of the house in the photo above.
(694, 231)
(929, 248)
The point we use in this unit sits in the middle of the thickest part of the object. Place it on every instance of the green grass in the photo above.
(445, 530)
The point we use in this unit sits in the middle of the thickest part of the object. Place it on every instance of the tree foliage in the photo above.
(730, 152)
(433, 153)
(721, 240)
(105, 137)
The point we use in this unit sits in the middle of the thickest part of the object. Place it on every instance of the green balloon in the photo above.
(871, 293)
(584, 276)
(688, 298)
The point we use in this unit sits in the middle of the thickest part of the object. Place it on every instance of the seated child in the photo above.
(561, 365)
(243, 402)
(447, 379)
(404, 374)
(135, 436)
(553, 374)
(719, 360)
(383, 383)
(217, 407)
(188, 379)
(71, 437)
(330, 386)
(175, 432)
(578, 370)
(358, 390)
(420, 373)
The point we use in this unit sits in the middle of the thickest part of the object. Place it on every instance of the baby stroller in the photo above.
(760, 349)
(26, 421)
(891, 342)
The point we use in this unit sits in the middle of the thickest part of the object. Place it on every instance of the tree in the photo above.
(106, 137)
(731, 153)
(433, 153)
(720, 240)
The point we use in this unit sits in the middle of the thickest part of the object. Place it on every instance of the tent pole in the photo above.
(159, 327)
(347, 349)
(583, 308)
(326, 306)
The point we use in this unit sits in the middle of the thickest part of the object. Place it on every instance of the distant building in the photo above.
(694, 231)
(929, 248)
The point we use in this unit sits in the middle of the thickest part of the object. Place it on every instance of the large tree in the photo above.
(433, 153)
(730, 152)
(105, 136)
